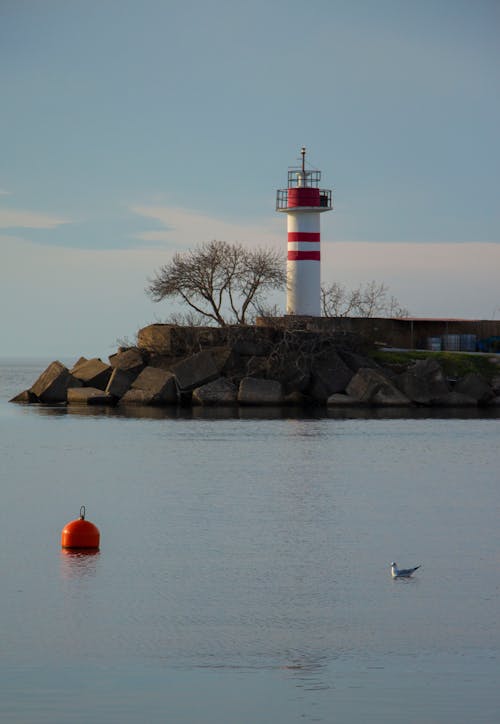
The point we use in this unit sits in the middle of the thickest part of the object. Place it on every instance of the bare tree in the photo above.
(368, 300)
(223, 282)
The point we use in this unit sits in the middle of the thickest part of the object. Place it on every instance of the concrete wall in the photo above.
(406, 333)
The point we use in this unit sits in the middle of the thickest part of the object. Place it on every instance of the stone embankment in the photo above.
(173, 365)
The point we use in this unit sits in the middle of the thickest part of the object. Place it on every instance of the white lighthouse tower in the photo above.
(303, 202)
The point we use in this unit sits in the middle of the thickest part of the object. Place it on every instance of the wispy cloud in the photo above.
(20, 218)
(186, 228)
(4, 192)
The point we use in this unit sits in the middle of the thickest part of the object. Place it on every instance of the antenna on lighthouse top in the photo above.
(303, 152)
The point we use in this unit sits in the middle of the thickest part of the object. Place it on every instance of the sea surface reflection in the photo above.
(243, 574)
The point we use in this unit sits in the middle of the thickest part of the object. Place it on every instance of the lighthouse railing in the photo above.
(297, 177)
(325, 199)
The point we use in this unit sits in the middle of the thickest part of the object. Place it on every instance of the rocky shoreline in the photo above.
(254, 366)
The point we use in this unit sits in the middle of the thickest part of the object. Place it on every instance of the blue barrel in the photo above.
(434, 344)
(451, 342)
(468, 342)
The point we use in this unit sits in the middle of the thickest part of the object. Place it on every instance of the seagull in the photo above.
(402, 572)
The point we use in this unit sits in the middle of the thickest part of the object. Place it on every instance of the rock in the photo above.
(341, 400)
(89, 396)
(156, 338)
(373, 387)
(454, 399)
(423, 382)
(297, 381)
(163, 362)
(495, 385)
(256, 367)
(430, 370)
(474, 385)
(93, 373)
(365, 383)
(137, 397)
(176, 341)
(224, 358)
(179, 341)
(120, 382)
(252, 347)
(80, 361)
(25, 397)
(218, 392)
(153, 386)
(330, 374)
(196, 370)
(389, 395)
(297, 398)
(415, 388)
(356, 361)
(256, 391)
(53, 383)
(130, 360)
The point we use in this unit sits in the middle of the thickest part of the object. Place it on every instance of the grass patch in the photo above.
(454, 364)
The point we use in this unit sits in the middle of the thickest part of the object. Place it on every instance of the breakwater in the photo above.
(256, 365)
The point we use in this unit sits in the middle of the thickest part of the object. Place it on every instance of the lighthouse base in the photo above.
(303, 288)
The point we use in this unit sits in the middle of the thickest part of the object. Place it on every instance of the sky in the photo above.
(133, 130)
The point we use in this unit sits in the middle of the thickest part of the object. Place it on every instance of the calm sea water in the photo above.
(243, 574)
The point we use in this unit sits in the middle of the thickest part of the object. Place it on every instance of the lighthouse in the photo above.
(303, 202)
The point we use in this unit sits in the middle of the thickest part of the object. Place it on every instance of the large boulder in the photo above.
(196, 370)
(153, 386)
(156, 338)
(218, 392)
(474, 385)
(53, 383)
(424, 382)
(225, 359)
(92, 372)
(257, 391)
(25, 397)
(89, 396)
(129, 360)
(389, 395)
(341, 400)
(415, 388)
(256, 346)
(120, 382)
(178, 341)
(430, 370)
(330, 374)
(371, 386)
(297, 399)
(80, 361)
(356, 361)
(296, 381)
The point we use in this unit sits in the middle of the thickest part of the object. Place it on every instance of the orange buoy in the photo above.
(80, 533)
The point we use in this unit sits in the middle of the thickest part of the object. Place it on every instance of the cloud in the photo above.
(19, 218)
(186, 228)
(4, 192)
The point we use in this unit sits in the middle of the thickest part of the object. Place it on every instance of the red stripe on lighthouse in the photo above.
(303, 256)
(303, 236)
